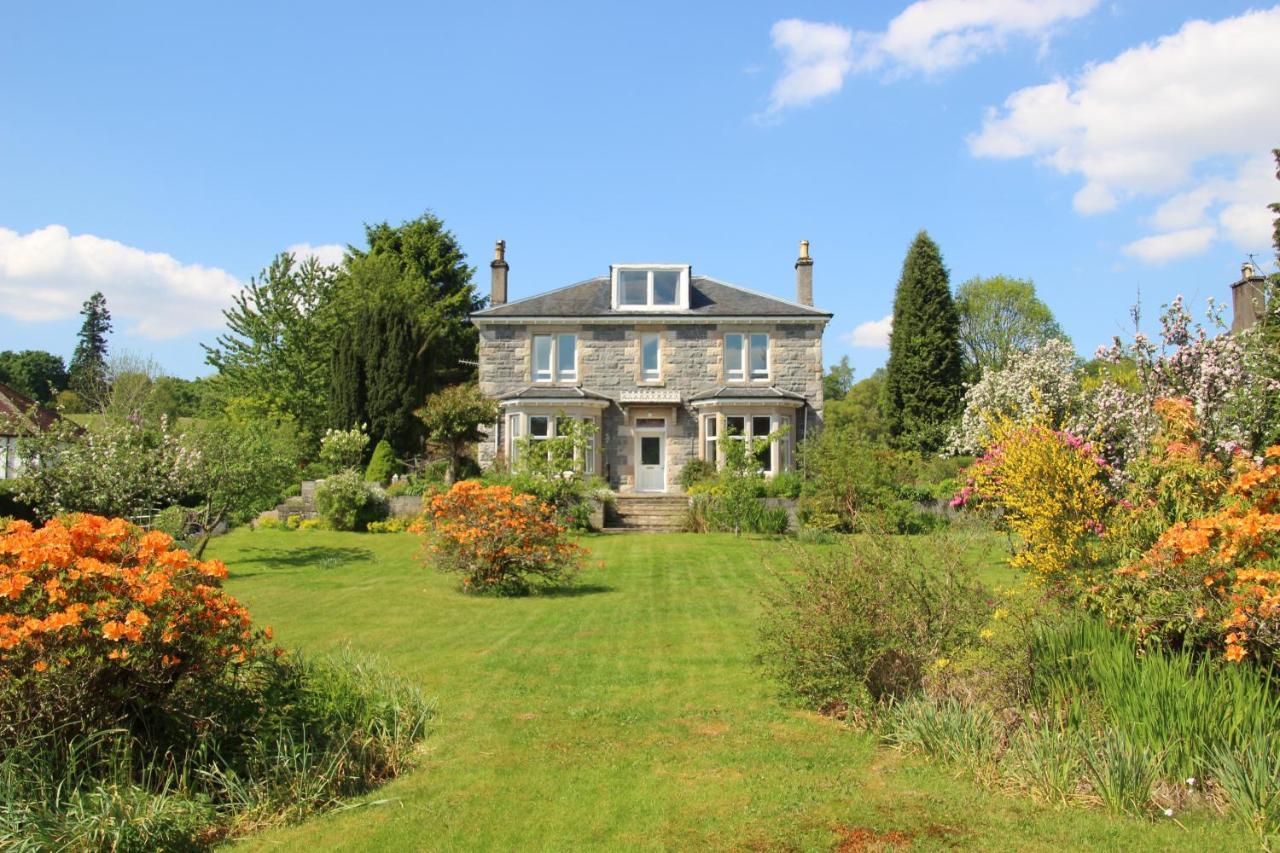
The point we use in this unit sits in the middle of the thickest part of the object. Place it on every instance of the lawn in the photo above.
(628, 715)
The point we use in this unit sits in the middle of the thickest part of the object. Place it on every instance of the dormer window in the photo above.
(650, 287)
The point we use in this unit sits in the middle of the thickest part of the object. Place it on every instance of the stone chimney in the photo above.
(804, 275)
(1247, 298)
(498, 293)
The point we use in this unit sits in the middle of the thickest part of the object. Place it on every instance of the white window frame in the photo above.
(654, 375)
(682, 287)
(779, 451)
(518, 425)
(711, 438)
(554, 373)
(513, 435)
(742, 371)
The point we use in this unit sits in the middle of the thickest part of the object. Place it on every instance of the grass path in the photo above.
(628, 716)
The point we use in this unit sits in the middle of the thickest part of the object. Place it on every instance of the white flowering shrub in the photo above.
(344, 448)
(1042, 384)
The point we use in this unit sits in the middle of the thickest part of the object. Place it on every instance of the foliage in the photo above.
(173, 521)
(38, 374)
(1041, 384)
(732, 500)
(239, 470)
(867, 623)
(924, 375)
(100, 623)
(999, 318)
(1187, 363)
(347, 502)
(1052, 488)
(1213, 581)
(342, 449)
(394, 524)
(281, 331)
(501, 542)
(455, 418)
(861, 410)
(408, 297)
(696, 471)
(120, 469)
(554, 469)
(837, 381)
(87, 371)
(382, 464)
(852, 485)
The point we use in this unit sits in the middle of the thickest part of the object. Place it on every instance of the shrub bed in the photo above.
(140, 708)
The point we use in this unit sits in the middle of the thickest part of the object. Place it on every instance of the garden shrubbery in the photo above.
(349, 502)
(500, 542)
(140, 708)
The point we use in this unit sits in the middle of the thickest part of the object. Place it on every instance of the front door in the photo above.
(651, 470)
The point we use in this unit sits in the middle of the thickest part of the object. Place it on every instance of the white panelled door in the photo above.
(651, 466)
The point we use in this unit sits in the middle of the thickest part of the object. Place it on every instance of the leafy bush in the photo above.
(499, 541)
(696, 471)
(381, 465)
(854, 486)
(347, 502)
(173, 521)
(343, 449)
(868, 624)
(784, 484)
(140, 709)
(395, 524)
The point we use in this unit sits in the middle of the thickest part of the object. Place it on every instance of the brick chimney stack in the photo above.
(499, 267)
(1247, 298)
(804, 275)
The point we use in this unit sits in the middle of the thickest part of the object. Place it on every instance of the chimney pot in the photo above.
(498, 269)
(804, 275)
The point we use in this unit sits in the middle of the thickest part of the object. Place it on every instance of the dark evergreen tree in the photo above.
(395, 378)
(88, 367)
(924, 376)
(346, 381)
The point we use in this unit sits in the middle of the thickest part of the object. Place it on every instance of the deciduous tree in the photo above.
(1001, 316)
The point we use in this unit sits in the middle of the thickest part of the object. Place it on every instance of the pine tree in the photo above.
(924, 376)
(89, 362)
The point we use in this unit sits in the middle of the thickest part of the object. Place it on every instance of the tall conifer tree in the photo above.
(924, 376)
(88, 367)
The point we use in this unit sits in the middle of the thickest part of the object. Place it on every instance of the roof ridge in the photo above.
(542, 294)
(760, 293)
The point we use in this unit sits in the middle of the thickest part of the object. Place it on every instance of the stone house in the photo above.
(667, 364)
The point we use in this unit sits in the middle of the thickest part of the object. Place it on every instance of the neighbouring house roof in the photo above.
(26, 412)
(552, 394)
(707, 298)
(729, 393)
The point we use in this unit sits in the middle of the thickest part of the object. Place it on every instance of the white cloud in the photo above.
(1187, 120)
(1162, 248)
(929, 36)
(329, 254)
(873, 333)
(816, 57)
(48, 273)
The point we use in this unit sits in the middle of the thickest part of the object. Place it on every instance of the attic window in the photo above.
(652, 287)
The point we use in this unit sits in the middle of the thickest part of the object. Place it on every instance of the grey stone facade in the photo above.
(692, 385)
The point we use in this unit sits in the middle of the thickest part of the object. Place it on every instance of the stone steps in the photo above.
(664, 513)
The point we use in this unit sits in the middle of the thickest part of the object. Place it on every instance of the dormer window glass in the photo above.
(653, 287)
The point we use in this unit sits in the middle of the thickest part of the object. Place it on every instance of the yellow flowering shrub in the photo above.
(1052, 489)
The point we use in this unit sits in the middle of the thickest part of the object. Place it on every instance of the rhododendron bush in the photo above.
(100, 620)
(499, 541)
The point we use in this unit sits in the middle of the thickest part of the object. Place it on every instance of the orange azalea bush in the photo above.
(500, 542)
(100, 621)
(1214, 580)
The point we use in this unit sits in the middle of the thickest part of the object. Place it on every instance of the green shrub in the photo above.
(854, 486)
(347, 502)
(784, 484)
(173, 520)
(280, 739)
(382, 464)
(696, 471)
(866, 624)
(268, 523)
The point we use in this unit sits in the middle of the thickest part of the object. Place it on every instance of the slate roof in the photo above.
(707, 298)
(746, 392)
(15, 404)
(534, 392)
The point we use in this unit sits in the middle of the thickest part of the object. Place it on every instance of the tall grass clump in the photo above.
(1185, 708)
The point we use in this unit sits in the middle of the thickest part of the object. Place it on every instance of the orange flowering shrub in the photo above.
(500, 542)
(100, 620)
(1214, 580)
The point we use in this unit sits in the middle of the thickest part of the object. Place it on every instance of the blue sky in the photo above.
(164, 152)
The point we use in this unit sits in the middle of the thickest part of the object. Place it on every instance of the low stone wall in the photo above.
(404, 506)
